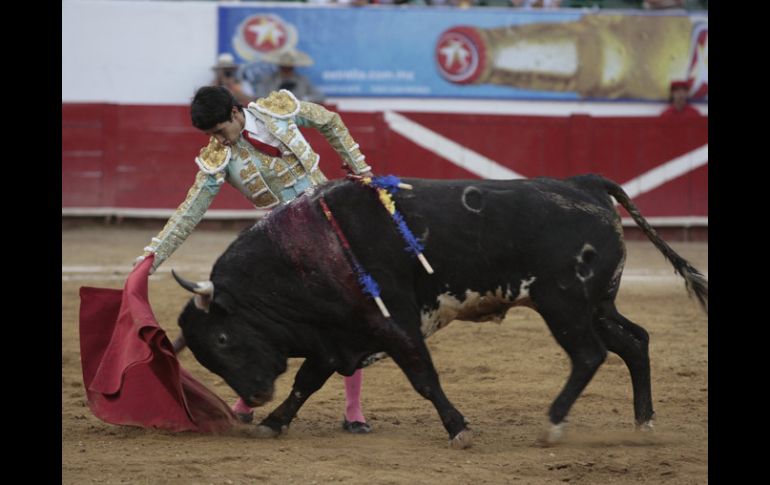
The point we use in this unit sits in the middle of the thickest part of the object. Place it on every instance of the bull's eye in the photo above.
(222, 339)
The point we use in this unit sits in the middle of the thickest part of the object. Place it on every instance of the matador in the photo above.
(261, 152)
(270, 163)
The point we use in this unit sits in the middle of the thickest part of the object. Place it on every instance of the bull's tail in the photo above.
(696, 283)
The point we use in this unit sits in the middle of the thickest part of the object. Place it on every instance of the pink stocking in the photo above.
(241, 407)
(353, 397)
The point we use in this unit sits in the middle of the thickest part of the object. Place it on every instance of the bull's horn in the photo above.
(200, 288)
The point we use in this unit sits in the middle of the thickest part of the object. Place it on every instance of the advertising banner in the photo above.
(476, 53)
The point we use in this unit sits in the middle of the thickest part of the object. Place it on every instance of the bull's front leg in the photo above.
(310, 378)
(411, 354)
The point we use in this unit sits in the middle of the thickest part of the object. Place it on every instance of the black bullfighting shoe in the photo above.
(356, 427)
(245, 417)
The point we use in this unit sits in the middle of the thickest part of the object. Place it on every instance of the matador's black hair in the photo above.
(212, 105)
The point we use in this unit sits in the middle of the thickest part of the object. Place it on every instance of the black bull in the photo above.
(285, 287)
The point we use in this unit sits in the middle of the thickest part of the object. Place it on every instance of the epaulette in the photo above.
(213, 157)
(280, 104)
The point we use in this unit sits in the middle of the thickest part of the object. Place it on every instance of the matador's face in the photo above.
(228, 132)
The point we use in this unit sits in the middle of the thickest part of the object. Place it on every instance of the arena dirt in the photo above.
(502, 377)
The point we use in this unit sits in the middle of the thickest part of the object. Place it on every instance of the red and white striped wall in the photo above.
(129, 70)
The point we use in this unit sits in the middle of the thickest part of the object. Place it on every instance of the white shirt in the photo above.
(258, 130)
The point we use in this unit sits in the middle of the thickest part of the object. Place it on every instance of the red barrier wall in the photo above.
(142, 156)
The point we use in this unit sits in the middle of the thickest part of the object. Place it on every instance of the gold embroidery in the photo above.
(248, 170)
(347, 140)
(270, 124)
(317, 177)
(185, 218)
(278, 104)
(213, 155)
(255, 185)
(287, 178)
(333, 129)
(264, 159)
(299, 149)
(280, 164)
(286, 136)
(264, 199)
(315, 113)
(244, 154)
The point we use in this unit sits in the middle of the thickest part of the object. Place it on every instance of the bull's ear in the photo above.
(222, 303)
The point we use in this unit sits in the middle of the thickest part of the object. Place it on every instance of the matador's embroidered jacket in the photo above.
(265, 180)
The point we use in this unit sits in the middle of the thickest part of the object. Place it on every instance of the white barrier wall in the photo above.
(129, 52)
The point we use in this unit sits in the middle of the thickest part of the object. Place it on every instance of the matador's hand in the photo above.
(139, 260)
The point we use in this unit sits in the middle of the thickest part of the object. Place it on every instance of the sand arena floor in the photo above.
(502, 377)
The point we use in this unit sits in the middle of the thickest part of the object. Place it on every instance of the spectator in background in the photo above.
(285, 77)
(661, 4)
(679, 107)
(536, 3)
(353, 3)
(226, 75)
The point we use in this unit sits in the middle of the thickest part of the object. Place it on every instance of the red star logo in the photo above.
(265, 34)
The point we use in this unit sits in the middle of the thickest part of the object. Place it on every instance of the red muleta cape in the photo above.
(130, 372)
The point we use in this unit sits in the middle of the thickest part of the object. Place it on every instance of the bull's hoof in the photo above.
(646, 427)
(553, 435)
(464, 439)
(263, 431)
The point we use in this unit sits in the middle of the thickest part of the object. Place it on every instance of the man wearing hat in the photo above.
(226, 75)
(678, 102)
(287, 78)
(261, 152)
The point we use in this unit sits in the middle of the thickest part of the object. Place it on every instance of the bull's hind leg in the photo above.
(310, 377)
(570, 322)
(630, 342)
